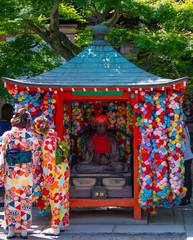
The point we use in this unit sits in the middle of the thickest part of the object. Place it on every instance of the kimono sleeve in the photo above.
(3, 147)
(49, 157)
(37, 144)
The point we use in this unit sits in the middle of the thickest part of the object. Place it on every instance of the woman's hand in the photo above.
(104, 160)
(91, 149)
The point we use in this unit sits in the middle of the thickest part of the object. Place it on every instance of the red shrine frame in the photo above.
(65, 95)
(131, 202)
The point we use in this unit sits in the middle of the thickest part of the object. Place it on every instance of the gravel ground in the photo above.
(163, 236)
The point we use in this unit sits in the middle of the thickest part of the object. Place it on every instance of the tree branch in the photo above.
(54, 22)
(62, 50)
(94, 10)
(56, 39)
(56, 45)
(97, 14)
(40, 31)
(68, 44)
(113, 20)
(150, 60)
(59, 41)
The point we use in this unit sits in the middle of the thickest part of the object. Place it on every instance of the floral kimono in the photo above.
(1, 182)
(38, 198)
(58, 176)
(18, 178)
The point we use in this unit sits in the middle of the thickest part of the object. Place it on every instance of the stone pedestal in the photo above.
(100, 186)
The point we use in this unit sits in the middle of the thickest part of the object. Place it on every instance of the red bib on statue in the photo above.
(101, 144)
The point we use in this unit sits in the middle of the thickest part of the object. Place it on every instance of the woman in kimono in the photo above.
(5, 125)
(17, 163)
(55, 177)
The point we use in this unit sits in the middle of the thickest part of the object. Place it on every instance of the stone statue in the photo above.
(100, 152)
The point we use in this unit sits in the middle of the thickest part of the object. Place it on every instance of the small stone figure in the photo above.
(100, 151)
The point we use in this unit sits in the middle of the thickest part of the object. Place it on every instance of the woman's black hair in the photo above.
(7, 111)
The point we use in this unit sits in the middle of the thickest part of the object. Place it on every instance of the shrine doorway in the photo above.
(120, 116)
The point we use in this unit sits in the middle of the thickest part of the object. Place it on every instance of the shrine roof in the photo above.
(98, 65)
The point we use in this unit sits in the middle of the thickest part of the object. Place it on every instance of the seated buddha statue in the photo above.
(100, 152)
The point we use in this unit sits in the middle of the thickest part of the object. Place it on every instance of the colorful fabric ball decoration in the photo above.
(160, 119)
(161, 169)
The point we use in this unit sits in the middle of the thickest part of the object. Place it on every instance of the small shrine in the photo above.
(145, 115)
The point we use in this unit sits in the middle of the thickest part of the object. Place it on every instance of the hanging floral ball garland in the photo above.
(160, 120)
(121, 125)
(111, 114)
(129, 118)
(146, 106)
(160, 148)
(120, 117)
(176, 135)
(66, 124)
(77, 117)
(37, 103)
(77, 124)
(129, 130)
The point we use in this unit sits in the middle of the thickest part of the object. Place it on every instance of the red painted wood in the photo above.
(59, 115)
(137, 209)
(101, 202)
(67, 96)
(69, 112)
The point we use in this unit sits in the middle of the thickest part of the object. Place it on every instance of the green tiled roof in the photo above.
(99, 65)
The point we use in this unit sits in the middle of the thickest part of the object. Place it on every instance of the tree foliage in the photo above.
(160, 30)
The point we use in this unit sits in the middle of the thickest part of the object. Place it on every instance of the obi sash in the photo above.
(16, 155)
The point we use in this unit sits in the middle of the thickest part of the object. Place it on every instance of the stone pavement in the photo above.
(116, 223)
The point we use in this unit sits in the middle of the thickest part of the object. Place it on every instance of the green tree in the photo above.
(161, 31)
(26, 56)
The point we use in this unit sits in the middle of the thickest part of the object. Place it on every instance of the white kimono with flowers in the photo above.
(18, 179)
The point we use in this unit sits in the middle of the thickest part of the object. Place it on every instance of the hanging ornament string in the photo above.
(175, 128)
(146, 106)
(160, 147)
